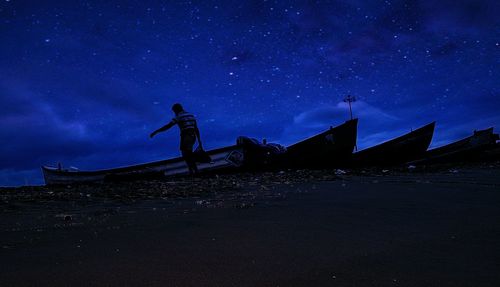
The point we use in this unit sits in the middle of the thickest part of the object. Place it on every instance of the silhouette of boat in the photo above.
(399, 150)
(325, 149)
(490, 154)
(461, 150)
(222, 158)
(331, 148)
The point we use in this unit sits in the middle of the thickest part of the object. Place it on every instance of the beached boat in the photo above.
(329, 147)
(222, 158)
(464, 149)
(490, 154)
(402, 149)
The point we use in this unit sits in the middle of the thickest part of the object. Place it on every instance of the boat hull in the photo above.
(231, 157)
(396, 151)
(461, 150)
(332, 148)
(328, 149)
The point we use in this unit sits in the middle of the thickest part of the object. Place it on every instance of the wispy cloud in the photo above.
(373, 120)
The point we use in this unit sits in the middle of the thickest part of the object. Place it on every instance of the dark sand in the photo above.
(387, 229)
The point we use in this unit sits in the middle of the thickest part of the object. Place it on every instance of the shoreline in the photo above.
(383, 228)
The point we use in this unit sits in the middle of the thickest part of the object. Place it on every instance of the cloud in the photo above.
(445, 49)
(322, 115)
(35, 130)
(14, 177)
(462, 17)
(372, 121)
(447, 132)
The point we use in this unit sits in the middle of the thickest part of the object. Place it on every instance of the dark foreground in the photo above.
(386, 229)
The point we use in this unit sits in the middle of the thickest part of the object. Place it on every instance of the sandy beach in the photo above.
(289, 228)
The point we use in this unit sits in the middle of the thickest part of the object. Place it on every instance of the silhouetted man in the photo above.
(189, 134)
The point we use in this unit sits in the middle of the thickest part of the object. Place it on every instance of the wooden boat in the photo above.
(222, 158)
(396, 151)
(331, 148)
(490, 154)
(464, 149)
(328, 147)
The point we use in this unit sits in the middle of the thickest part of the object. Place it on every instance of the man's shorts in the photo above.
(188, 138)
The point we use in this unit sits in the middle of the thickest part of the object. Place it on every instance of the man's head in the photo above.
(177, 108)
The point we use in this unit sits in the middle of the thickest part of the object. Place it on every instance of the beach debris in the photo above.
(340, 172)
(65, 217)
(263, 182)
(244, 205)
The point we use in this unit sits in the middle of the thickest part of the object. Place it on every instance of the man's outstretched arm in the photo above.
(162, 129)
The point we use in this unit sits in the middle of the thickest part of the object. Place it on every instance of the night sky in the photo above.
(85, 82)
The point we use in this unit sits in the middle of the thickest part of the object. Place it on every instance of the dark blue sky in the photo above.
(85, 82)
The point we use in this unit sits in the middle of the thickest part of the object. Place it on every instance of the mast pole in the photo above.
(350, 110)
(350, 99)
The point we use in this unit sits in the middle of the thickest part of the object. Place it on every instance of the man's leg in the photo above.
(189, 158)
(187, 143)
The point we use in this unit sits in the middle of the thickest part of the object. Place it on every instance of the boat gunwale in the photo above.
(48, 170)
(131, 168)
(330, 130)
(463, 140)
(420, 130)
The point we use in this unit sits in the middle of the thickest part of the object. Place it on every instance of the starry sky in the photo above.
(85, 82)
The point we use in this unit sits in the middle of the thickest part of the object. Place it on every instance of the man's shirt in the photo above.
(186, 121)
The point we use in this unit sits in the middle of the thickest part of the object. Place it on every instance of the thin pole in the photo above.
(350, 109)
(350, 99)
